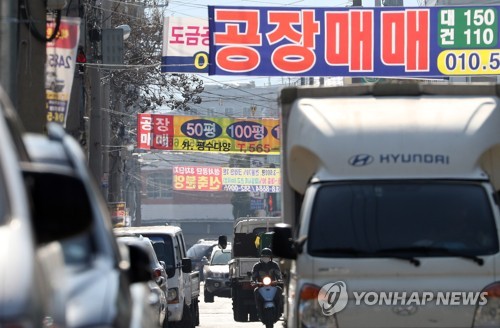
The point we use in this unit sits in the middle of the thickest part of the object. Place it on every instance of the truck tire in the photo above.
(208, 297)
(196, 311)
(187, 320)
(239, 310)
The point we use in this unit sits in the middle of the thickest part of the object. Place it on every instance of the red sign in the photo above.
(155, 131)
(197, 178)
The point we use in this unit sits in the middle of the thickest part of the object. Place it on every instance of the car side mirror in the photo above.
(283, 245)
(222, 242)
(60, 204)
(140, 265)
(162, 263)
(187, 266)
(204, 260)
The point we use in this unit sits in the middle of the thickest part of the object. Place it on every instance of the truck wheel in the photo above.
(239, 311)
(196, 312)
(209, 297)
(187, 320)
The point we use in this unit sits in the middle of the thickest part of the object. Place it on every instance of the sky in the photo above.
(198, 8)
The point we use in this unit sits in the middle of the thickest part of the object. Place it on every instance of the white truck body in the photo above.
(367, 143)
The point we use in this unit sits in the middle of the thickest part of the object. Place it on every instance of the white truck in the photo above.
(390, 203)
(245, 253)
(183, 282)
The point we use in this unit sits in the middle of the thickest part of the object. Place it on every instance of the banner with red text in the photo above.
(377, 42)
(217, 134)
(185, 45)
(208, 178)
(60, 68)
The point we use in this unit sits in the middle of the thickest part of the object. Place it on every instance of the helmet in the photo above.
(266, 252)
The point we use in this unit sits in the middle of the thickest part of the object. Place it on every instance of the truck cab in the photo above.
(183, 283)
(390, 196)
(251, 234)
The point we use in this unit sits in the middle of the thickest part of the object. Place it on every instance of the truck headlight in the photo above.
(173, 296)
(488, 315)
(310, 313)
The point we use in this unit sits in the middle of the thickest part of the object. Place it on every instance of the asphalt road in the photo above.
(219, 314)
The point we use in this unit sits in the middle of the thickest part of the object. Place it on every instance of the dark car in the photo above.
(216, 273)
(203, 248)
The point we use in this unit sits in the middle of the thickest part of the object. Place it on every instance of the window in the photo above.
(159, 185)
(384, 219)
(229, 111)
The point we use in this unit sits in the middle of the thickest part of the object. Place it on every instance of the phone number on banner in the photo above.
(238, 188)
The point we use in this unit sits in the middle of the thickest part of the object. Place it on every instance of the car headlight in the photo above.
(173, 296)
(217, 275)
(488, 315)
(310, 313)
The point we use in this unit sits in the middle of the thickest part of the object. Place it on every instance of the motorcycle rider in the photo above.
(266, 267)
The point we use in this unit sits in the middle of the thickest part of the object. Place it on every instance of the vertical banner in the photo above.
(60, 68)
(185, 45)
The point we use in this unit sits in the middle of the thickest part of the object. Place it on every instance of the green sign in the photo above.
(468, 28)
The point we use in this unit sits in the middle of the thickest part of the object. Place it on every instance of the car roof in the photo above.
(149, 229)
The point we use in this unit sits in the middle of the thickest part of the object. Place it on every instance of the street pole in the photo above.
(8, 48)
(30, 65)
(95, 129)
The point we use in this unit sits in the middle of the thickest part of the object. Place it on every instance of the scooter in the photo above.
(269, 308)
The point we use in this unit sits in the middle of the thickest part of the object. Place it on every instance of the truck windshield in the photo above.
(424, 219)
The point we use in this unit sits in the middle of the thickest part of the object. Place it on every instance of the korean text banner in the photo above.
(218, 134)
(378, 42)
(60, 68)
(207, 178)
(185, 45)
(197, 178)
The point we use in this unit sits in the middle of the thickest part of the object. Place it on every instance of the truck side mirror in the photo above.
(283, 243)
(223, 242)
(187, 266)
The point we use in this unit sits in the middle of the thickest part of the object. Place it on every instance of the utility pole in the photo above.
(8, 47)
(29, 65)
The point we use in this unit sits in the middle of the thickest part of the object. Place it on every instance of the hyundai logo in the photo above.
(361, 160)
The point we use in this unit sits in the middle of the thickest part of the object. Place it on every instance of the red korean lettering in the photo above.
(204, 36)
(417, 44)
(177, 35)
(241, 32)
(337, 38)
(299, 56)
(393, 38)
(192, 35)
(361, 40)
(237, 59)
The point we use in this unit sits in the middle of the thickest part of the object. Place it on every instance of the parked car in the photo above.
(158, 276)
(203, 248)
(183, 284)
(34, 209)
(96, 267)
(216, 273)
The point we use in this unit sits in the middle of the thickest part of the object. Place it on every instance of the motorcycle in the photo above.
(268, 299)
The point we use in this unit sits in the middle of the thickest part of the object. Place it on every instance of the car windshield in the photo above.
(421, 219)
(164, 248)
(220, 257)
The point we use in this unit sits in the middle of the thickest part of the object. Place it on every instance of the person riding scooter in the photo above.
(266, 267)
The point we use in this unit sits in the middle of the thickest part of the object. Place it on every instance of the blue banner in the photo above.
(357, 42)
